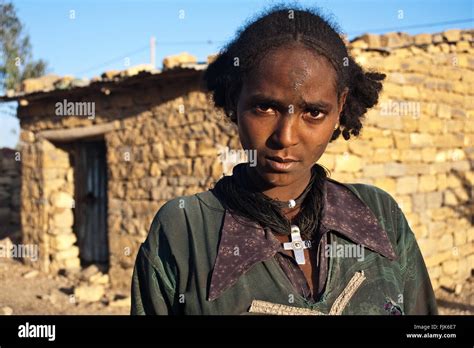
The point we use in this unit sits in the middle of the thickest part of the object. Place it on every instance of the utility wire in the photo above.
(139, 50)
(434, 24)
(210, 42)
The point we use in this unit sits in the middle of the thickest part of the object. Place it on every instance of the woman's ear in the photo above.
(233, 116)
(231, 107)
(342, 100)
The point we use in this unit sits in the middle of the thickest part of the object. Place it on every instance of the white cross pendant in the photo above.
(297, 245)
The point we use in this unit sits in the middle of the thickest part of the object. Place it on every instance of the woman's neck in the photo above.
(291, 213)
(281, 193)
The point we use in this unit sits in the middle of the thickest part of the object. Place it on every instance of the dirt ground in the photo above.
(22, 292)
(25, 292)
(450, 303)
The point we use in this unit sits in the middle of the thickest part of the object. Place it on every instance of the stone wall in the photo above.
(47, 203)
(417, 144)
(164, 146)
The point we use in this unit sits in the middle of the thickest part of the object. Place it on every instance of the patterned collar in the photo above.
(244, 243)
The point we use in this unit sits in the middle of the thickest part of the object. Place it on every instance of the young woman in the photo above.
(282, 237)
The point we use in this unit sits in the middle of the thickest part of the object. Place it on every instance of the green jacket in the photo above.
(174, 264)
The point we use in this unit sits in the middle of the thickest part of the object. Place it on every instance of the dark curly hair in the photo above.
(280, 25)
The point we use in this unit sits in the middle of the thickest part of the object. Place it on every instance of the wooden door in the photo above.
(90, 171)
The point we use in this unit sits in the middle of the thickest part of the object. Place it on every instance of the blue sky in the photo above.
(105, 33)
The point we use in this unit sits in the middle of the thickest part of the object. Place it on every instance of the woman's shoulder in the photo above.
(188, 204)
(176, 215)
(368, 193)
(382, 204)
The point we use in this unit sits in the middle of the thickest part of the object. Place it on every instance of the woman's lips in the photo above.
(280, 164)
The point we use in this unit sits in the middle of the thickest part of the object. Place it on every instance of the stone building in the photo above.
(99, 157)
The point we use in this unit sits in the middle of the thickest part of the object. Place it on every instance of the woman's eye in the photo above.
(316, 114)
(262, 108)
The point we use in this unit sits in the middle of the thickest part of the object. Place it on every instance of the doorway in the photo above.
(90, 211)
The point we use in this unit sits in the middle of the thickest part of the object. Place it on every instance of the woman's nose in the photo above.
(286, 131)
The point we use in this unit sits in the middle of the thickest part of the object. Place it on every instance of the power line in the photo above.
(434, 24)
(139, 50)
(210, 42)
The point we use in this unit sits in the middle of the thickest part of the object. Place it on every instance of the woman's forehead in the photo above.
(293, 73)
(296, 54)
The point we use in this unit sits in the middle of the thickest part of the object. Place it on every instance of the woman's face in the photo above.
(287, 111)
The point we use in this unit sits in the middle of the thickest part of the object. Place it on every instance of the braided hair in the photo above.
(276, 27)
(282, 25)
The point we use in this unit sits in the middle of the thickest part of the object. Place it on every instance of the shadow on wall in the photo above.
(10, 190)
(465, 194)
